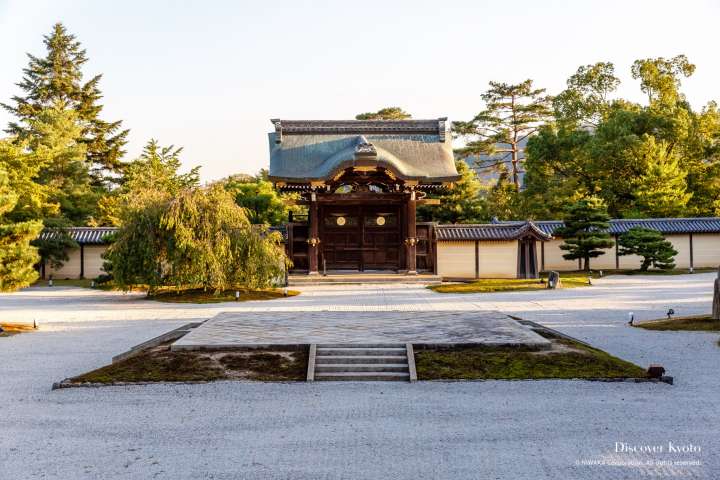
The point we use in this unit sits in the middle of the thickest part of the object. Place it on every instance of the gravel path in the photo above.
(228, 430)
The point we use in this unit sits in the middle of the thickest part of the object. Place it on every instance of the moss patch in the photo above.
(201, 296)
(701, 323)
(159, 364)
(487, 285)
(567, 359)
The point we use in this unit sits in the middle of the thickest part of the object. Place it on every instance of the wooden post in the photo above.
(82, 261)
(313, 238)
(617, 253)
(716, 298)
(477, 259)
(411, 240)
(542, 256)
(692, 261)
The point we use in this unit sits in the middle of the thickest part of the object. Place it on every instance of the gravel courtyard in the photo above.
(229, 430)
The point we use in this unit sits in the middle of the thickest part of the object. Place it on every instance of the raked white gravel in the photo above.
(229, 430)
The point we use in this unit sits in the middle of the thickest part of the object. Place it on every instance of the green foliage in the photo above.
(262, 203)
(662, 189)
(387, 113)
(585, 101)
(56, 81)
(649, 244)
(152, 177)
(200, 237)
(660, 78)
(585, 231)
(65, 170)
(460, 204)
(662, 159)
(54, 250)
(17, 256)
(512, 114)
(23, 169)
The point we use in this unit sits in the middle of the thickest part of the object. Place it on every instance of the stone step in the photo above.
(352, 359)
(363, 376)
(361, 367)
(345, 351)
(361, 345)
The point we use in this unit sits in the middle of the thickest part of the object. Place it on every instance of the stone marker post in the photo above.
(716, 298)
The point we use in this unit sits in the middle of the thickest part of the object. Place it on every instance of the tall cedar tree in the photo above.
(17, 256)
(497, 134)
(585, 232)
(57, 80)
(650, 245)
(387, 113)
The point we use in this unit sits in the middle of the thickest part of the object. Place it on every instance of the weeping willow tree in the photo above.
(197, 239)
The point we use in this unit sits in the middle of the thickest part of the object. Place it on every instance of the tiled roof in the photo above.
(303, 151)
(313, 127)
(506, 230)
(664, 225)
(490, 231)
(82, 235)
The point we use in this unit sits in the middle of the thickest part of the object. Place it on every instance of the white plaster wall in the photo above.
(456, 259)
(498, 259)
(681, 243)
(93, 260)
(71, 268)
(706, 250)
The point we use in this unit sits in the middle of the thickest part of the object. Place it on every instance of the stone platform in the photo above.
(357, 278)
(290, 329)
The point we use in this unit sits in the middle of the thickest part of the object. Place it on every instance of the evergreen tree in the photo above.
(65, 171)
(460, 204)
(649, 244)
(387, 113)
(56, 81)
(17, 256)
(585, 233)
(152, 177)
(23, 168)
(496, 135)
(662, 190)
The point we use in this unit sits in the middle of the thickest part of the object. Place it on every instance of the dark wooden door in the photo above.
(360, 237)
(527, 259)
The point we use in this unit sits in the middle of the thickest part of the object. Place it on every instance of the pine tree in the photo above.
(585, 232)
(56, 80)
(497, 134)
(17, 256)
(649, 244)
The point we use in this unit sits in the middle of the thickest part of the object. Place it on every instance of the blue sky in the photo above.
(209, 75)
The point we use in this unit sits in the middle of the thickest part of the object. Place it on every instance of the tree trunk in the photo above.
(716, 299)
(586, 266)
